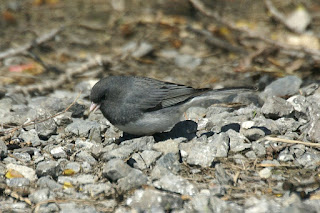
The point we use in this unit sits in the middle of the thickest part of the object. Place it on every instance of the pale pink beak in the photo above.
(94, 107)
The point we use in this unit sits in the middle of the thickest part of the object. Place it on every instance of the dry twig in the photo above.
(291, 141)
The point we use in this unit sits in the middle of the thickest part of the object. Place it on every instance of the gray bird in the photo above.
(144, 106)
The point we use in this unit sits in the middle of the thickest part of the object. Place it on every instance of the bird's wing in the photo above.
(162, 94)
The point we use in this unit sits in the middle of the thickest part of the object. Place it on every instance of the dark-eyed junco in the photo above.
(144, 106)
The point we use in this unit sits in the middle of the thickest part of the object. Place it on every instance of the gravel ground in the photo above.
(223, 159)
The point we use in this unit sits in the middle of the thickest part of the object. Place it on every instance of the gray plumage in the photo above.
(144, 106)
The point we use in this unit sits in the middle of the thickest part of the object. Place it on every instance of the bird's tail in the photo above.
(223, 95)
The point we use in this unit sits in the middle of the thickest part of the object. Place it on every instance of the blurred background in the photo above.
(199, 43)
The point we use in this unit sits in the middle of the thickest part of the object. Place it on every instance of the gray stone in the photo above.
(287, 125)
(200, 202)
(237, 141)
(18, 182)
(198, 153)
(85, 179)
(47, 182)
(128, 147)
(251, 155)
(23, 157)
(72, 207)
(169, 161)
(63, 119)
(177, 184)
(3, 169)
(145, 159)
(285, 156)
(259, 149)
(30, 136)
(97, 189)
(115, 169)
(87, 144)
(3, 150)
(134, 179)
(74, 166)
(95, 135)
(309, 90)
(170, 145)
(50, 168)
(221, 142)
(275, 107)
(253, 134)
(219, 205)
(254, 204)
(27, 172)
(146, 199)
(84, 156)
(81, 127)
(222, 177)
(265, 173)
(309, 159)
(41, 195)
(58, 152)
(282, 87)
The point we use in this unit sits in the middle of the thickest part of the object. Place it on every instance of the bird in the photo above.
(145, 106)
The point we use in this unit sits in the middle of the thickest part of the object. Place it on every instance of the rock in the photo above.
(97, 189)
(27, 172)
(58, 152)
(47, 182)
(276, 107)
(30, 136)
(219, 205)
(282, 87)
(170, 162)
(115, 169)
(128, 147)
(265, 173)
(144, 160)
(73, 207)
(3, 150)
(18, 182)
(222, 177)
(299, 20)
(176, 184)
(134, 179)
(198, 153)
(23, 157)
(77, 110)
(151, 198)
(258, 149)
(170, 145)
(74, 166)
(50, 168)
(221, 142)
(84, 156)
(81, 127)
(41, 195)
(285, 156)
(253, 134)
(237, 141)
(251, 155)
